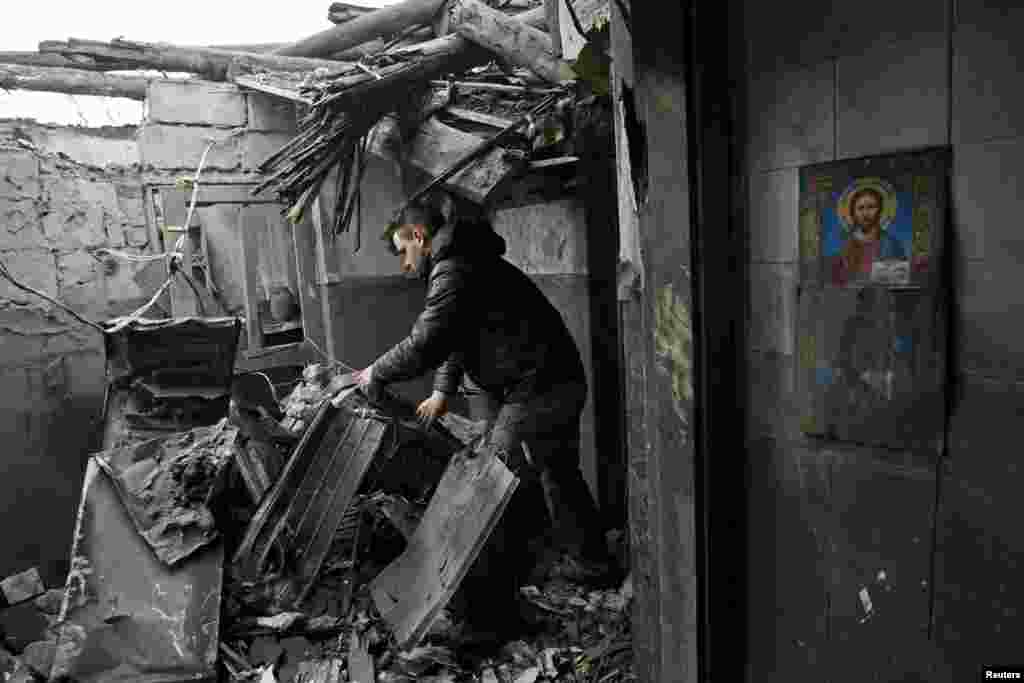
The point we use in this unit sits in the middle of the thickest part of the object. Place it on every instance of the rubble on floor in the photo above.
(348, 527)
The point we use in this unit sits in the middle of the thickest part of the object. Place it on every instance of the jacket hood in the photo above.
(470, 240)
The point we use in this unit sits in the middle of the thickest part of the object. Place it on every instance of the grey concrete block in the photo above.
(34, 268)
(19, 224)
(987, 179)
(893, 98)
(990, 319)
(202, 104)
(268, 113)
(988, 57)
(773, 307)
(774, 204)
(772, 400)
(545, 239)
(181, 147)
(792, 117)
(258, 147)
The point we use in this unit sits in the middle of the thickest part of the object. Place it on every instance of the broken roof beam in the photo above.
(509, 38)
(385, 21)
(211, 63)
(72, 81)
(51, 60)
(340, 12)
(380, 23)
(434, 149)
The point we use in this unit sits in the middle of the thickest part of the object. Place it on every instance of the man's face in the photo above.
(867, 210)
(412, 245)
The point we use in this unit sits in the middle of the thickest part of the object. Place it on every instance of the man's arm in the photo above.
(433, 335)
(448, 377)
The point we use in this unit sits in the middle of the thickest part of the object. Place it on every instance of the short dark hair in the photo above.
(429, 217)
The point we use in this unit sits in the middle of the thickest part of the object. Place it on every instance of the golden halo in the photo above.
(889, 202)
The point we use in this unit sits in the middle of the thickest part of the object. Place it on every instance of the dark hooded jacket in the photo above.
(484, 319)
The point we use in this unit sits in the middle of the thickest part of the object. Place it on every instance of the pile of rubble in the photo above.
(316, 540)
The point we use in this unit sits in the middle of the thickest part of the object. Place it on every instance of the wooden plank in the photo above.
(552, 9)
(328, 264)
(310, 294)
(296, 354)
(21, 587)
(250, 281)
(284, 88)
(72, 81)
(478, 117)
(470, 499)
(436, 147)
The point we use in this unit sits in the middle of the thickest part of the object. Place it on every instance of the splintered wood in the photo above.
(463, 512)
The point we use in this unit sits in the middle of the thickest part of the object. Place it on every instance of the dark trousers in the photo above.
(552, 496)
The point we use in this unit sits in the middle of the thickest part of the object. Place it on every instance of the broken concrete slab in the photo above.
(21, 587)
(168, 484)
(463, 512)
(127, 615)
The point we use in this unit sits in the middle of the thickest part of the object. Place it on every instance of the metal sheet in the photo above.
(126, 615)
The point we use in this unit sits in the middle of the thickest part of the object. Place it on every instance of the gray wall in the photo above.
(830, 81)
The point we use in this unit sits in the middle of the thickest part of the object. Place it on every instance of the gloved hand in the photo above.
(432, 408)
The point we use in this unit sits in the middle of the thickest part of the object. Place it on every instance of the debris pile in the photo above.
(319, 539)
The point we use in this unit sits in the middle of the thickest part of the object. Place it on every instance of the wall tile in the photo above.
(792, 117)
(987, 199)
(772, 307)
(988, 57)
(892, 98)
(774, 198)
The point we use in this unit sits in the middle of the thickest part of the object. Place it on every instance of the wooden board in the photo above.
(436, 147)
(465, 508)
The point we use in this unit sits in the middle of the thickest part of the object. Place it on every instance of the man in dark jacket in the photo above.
(486, 327)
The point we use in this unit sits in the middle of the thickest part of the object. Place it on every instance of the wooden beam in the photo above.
(378, 45)
(340, 12)
(551, 10)
(212, 63)
(509, 38)
(436, 147)
(51, 60)
(385, 21)
(477, 117)
(72, 81)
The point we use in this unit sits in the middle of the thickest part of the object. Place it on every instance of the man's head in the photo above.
(866, 206)
(410, 236)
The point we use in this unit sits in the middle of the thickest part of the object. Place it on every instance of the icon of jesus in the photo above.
(868, 241)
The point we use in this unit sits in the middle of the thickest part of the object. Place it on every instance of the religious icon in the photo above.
(868, 234)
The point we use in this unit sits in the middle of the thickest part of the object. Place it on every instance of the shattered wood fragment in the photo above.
(463, 512)
(128, 616)
(509, 38)
(72, 81)
(321, 671)
(21, 587)
(168, 484)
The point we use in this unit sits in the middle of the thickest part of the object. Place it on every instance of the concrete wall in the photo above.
(63, 193)
(837, 81)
